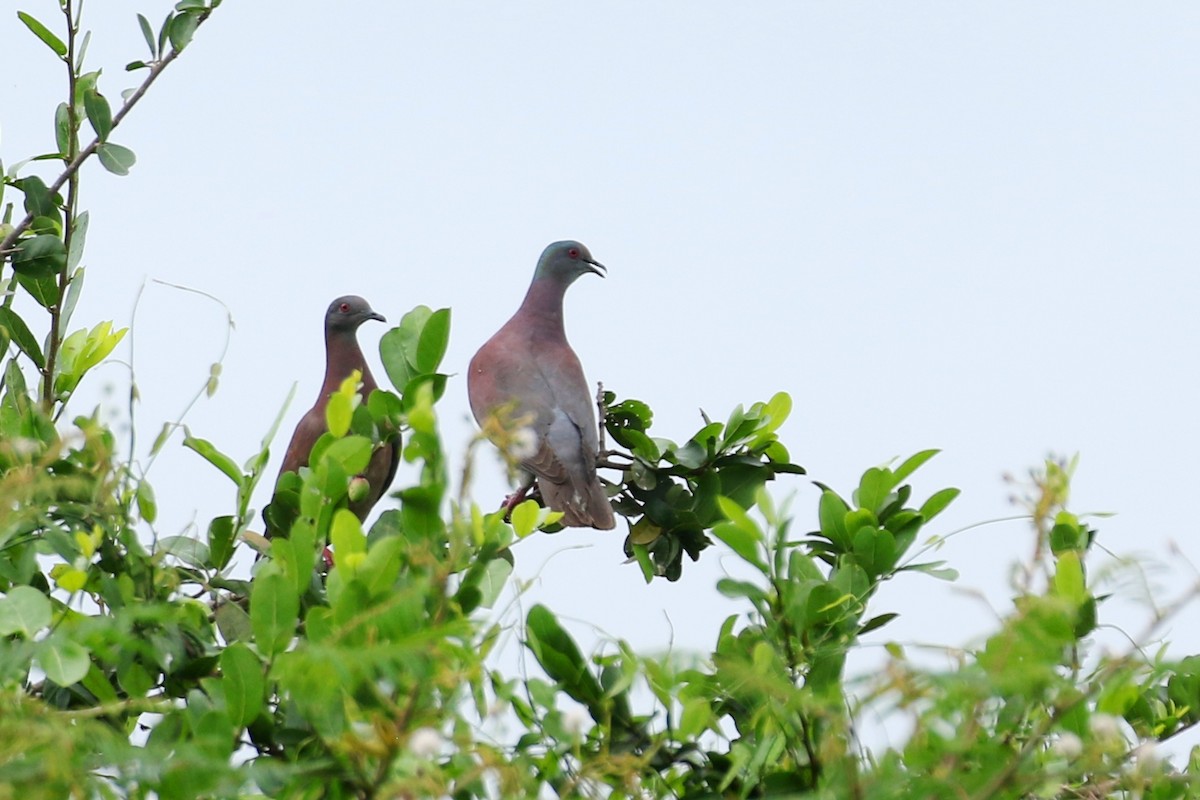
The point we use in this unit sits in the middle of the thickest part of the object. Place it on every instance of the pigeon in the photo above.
(528, 376)
(342, 357)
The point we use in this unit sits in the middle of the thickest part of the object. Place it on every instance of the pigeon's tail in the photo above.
(584, 506)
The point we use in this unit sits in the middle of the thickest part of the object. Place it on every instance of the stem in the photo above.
(155, 70)
(54, 340)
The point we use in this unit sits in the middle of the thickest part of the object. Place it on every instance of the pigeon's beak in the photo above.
(597, 267)
(376, 315)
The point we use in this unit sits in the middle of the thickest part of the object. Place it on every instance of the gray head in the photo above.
(348, 312)
(566, 261)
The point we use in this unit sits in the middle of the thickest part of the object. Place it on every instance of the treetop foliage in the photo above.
(133, 665)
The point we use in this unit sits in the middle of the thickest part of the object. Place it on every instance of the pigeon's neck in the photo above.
(543, 306)
(343, 356)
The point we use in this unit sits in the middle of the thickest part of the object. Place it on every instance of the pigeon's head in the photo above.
(566, 261)
(348, 312)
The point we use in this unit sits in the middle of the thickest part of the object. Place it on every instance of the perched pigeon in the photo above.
(343, 356)
(528, 371)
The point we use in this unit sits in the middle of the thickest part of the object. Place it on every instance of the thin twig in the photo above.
(602, 408)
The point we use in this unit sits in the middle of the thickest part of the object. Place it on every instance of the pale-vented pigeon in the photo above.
(529, 373)
(342, 357)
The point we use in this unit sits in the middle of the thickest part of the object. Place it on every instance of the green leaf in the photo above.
(43, 288)
(525, 518)
(147, 507)
(182, 29)
(642, 554)
(936, 570)
(338, 413)
(346, 533)
(697, 717)
(24, 610)
(148, 33)
(937, 503)
(233, 622)
(62, 128)
(243, 683)
(40, 256)
(274, 606)
(911, 465)
(192, 552)
(19, 332)
(44, 33)
(832, 512)
(435, 337)
(220, 540)
(777, 410)
(876, 622)
(213, 456)
(560, 657)
(38, 200)
(491, 584)
(740, 541)
(352, 453)
(1069, 582)
(873, 489)
(164, 31)
(116, 158)
(64, 661)
(99, 114)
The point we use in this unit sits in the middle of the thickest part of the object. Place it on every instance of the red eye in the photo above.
(573, 252)
(344, 307)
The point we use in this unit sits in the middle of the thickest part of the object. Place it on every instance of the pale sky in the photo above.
(970, 226)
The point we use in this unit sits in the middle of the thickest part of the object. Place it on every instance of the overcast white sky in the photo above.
(970, 226)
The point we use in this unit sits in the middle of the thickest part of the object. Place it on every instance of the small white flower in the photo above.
(1104, 726)
(1147, 755)
(425, 742)
(522, 444)
(1068, 746)
(574, 719)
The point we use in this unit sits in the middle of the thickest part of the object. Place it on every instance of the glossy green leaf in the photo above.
(43, 33)
(937, 503)
(338, 413)
(20, 334)
(832, 511)
(182, 28)
(560, 657)
(213, 456)
(873, 489)
(876, 622)
(98, 113)
(243, 683)
(346, 533)
(274, 607)
(911, 465)
(525, 518)
(740, 541)
(40, 256)
(220, 540)
(43, 288)
(432, 344)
